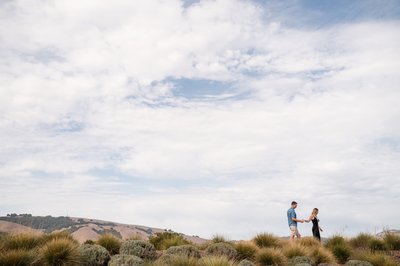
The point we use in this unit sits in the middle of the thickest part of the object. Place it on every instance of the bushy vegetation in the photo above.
(185, 250)
(125, 260)
(61, 249)
(271, 256)
(111, 243)
(221, 249)
(47, 223)
(140, 248)
(267, 240)
(245, 250)
(392, 241)
(164, 240)
(94, 255)
(219, 239)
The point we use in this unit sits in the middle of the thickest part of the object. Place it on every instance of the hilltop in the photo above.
(81, 229)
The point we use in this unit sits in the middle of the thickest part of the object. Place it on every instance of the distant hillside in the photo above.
(81, 228)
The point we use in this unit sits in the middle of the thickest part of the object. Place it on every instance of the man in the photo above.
(292, 220)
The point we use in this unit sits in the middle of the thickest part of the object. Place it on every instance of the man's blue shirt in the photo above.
(291, 214)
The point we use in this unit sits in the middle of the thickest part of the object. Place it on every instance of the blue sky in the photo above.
(205, 117)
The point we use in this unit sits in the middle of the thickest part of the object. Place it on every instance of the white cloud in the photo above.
(86, 116)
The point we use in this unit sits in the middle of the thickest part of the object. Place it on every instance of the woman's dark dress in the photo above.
(315, 228)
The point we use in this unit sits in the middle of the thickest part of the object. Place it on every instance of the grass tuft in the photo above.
(267, 240)
(60, 252)
(271, 256)
(110, 242)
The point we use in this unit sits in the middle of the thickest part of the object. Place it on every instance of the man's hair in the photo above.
(293, 203)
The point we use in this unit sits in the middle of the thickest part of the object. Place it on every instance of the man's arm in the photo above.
(297, 220)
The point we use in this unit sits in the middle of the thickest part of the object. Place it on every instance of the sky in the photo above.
(204, 117)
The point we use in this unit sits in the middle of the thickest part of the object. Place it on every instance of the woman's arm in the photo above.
(310, 218)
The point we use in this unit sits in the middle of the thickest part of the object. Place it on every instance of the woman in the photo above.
(315, 227)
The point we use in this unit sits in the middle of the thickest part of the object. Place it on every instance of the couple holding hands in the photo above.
(292, 220)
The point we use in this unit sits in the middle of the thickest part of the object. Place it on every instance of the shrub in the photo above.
(21, 241)
(215, 261)
(110, 242)
(246, 263)
(94, 255)
(60, 252)
(139, 248)
(308, 242)
(361, 240)
(245, 250)
(186, 250)
(89, 242)
(266, 240)
(164, 240)
(334, 241)
(125, 260)
(341, 252)
(18, 257)
(358, 263)
(219, 239)
(294, 250)
(299, 260)
(321, 255)
(376, 259)
(221, 249)
(377, 245)
(176, 260)
(271, 256)
(392, 241)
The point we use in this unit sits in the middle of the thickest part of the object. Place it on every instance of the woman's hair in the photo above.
(314, 210)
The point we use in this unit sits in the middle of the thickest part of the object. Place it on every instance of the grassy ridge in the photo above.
(171, 249)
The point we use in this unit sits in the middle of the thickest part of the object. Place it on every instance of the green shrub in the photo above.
(94, 255)
(21, 241)
(266, 240)
(361, 240)
(246, 263)
(294, 250)
(60, 252)
(125, 260)
(321, 255)
(376, 259)
(89, 242)
(358, 263)
(308, 242)
(215, 261)
(20, 257)
(176, 260)
(110, 242)
(271, 256)
(341, 252)
(186, 250)
(299, 260)
(392, 241)
(139, 248)
(164, 240)
(221, 249)
(335, 240)
(376, 244)
(245, 250)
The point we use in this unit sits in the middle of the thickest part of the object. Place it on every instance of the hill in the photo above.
(81, 228)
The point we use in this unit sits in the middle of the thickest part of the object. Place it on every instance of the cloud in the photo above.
(182, 115)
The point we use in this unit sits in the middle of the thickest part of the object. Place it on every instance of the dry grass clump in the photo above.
(165, 240)
(216, 261)
(20, 257)
(361, 241)
(219, 239)
(267, 240)
(58, 252)
(294, 250)
(376, 258)
(174, 260)
(57, 235)
(245, 250)
(20, 241)
(339, 247)
(320, 255)
(271, 256)
(392, 240)
(110, 242)
(308, 242)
